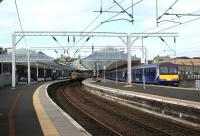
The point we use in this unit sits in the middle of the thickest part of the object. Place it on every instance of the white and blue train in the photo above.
(165, 73)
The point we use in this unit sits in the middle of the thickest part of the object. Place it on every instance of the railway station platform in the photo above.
(17, 114)
(174, 103)
(28, 111)
(188, 94)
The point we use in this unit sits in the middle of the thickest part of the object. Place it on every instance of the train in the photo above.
(77, 75)
(165, 73)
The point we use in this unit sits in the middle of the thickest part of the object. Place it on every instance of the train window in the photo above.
(163, 70)
(152, 72)
(146, 71)
(139, 72)
(173, 70)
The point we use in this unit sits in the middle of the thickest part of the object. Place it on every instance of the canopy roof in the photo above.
(106, 58)
(36, 59)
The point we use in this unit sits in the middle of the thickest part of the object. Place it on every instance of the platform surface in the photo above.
(28, 111)
(53, 120)
(18, 116)
(164, 91)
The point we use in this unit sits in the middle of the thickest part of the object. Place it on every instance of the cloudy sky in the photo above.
(76, 15)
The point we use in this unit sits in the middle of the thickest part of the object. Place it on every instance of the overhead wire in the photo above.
(167, 22)
(168, 9)
(176, 26)
(173, 27)
(100, 14)
(58, 43)
(179, 24)
(108, 19)
(18, 16)
(94, 27)
(20, 22)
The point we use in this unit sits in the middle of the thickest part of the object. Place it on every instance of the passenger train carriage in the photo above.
(162, 74)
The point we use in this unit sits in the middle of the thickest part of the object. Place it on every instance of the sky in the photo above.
(76, 15)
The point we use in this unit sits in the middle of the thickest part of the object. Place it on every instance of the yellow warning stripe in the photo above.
(46, 124)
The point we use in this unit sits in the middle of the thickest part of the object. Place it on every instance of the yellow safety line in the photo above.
(46, 124)
(10, 115)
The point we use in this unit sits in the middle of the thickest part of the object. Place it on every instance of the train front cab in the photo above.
(168, 75)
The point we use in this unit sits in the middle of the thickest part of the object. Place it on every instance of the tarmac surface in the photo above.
(17, 114)
(165, 91)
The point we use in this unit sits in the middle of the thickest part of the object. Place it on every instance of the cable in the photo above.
(18, 16)
(91, 23)
(58, 43)
(120, 12)
(167, 10)
(179, 24)
(166, 44)
(20, 22)
(115, 4)
(99, 15)
(172, 20)
(82, 45)
(104, 22)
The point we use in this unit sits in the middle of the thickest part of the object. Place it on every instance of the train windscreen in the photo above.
(168, 70)
(173, 70)
(163, 70)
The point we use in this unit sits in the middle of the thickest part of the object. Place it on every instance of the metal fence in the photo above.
(5, 79)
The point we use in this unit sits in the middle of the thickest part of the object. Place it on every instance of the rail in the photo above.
(90, 116)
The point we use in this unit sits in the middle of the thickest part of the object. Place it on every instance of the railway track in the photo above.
(92, 125)
(102, 117)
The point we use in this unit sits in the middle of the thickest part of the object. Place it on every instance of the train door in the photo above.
(152, 74)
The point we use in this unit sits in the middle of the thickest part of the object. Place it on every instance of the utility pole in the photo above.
(13, 61)
(29, 69)
(129, 58)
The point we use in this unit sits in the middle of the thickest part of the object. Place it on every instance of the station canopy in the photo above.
(36, 59)
(106, 58)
